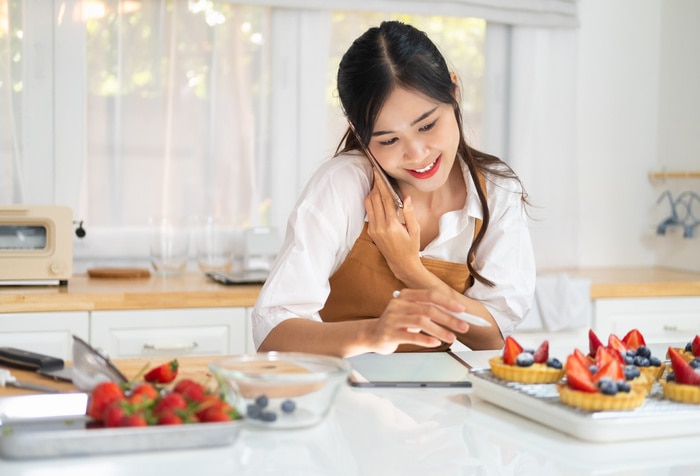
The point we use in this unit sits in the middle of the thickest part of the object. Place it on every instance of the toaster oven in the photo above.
(36, 244)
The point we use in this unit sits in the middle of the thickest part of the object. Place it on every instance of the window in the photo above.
(186, 108)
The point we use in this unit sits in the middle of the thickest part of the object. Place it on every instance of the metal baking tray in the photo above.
(656, 418)
(51, 426)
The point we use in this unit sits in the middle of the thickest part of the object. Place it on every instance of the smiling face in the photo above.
(415, 140)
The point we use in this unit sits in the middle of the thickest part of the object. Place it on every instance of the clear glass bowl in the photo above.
(281, 389)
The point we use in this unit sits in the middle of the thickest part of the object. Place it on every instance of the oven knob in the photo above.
(58, 267)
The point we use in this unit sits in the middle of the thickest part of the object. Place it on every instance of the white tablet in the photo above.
(409, 369)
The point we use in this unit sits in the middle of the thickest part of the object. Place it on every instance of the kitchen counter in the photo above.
(83, 293)
(398, 431)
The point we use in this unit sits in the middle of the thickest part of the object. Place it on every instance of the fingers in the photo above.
(413, 318)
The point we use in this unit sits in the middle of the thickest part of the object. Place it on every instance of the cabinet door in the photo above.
(49, 333)
(169, 332)
(660, 320)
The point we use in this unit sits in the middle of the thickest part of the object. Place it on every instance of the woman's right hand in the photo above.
(418, 317)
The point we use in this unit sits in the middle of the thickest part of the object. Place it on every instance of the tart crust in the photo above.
(653, 373)
(536, 373)
(681, 393)
(599, 401)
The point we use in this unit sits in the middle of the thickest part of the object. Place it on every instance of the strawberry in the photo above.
(605, 354)
(593, 343)
(684, 373)
(102, 395)
(615, 343)
(695, 346)
(214, 414)
(611, 369)
(172, 402)
(542, 353)
(578, 375)
(170, 418)
(633, 339)
(135, 419)
(113, 414)
(143, 393)
(191, 390)
(164, 373)
(511, 351)
(582, 358)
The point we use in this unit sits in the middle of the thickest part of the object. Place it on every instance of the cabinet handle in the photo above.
(171, 348)
(672, 328)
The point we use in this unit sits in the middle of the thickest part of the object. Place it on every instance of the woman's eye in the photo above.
(427, 127)
(388, 142)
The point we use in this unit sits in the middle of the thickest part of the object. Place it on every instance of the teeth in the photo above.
(423, 170)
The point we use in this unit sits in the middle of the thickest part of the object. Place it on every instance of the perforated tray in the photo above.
(656, 418)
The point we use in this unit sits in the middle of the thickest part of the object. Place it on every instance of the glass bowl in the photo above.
(281, 389)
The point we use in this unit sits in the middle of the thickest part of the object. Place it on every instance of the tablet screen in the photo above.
(409, 369)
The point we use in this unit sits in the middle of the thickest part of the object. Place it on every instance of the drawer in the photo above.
(660, 320)
(49, 333)
(169, 332)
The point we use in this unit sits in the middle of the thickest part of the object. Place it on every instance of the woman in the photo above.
(351, 277)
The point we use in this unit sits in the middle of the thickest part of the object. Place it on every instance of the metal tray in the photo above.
(51, 426)
(656, 418)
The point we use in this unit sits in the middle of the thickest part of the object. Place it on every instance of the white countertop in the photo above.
(407, 431)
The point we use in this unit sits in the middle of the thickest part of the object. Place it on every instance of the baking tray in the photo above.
(656, 418)
(51, 426)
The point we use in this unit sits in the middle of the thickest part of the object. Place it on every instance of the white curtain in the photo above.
(541, 137)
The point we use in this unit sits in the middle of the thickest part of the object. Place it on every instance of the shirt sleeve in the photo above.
(322, 227)
(506, 257)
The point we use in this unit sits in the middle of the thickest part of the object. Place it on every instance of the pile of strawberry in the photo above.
(157, 400)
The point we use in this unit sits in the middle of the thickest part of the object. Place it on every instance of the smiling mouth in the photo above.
(426, 169)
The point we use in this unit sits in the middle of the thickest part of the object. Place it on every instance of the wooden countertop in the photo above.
(637, 282)
(196, 368)
(194, 290)
(83, 293)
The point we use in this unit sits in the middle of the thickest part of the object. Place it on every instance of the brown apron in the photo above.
(363, 284)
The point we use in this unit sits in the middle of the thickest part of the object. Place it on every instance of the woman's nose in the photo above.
(415, 150)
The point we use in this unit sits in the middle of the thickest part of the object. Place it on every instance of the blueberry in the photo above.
(554, 363)
(631, 372)
(253, 411)
(670, 377)
(529, 351)
(655, 361)
(630, 353)
(593, 368)
(688, 347)
(524, 359)
(261, 401)
(607, 386)
(288, 406)
(268, 416)
(629, 359)
(640, 361)
(643, 351)
(623, 387)
(695, 363)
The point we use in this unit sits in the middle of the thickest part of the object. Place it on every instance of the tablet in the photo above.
(409, 369)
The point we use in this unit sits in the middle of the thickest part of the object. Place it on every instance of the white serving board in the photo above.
(656, 418)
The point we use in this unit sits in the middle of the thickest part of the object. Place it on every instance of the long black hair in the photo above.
(397, 55)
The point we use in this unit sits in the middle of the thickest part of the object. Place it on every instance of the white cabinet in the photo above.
(49, 333)
(660, 320)
(169, 332)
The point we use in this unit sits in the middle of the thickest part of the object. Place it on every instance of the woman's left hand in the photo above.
(398, 242)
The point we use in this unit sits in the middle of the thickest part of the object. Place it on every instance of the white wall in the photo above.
(637, 106)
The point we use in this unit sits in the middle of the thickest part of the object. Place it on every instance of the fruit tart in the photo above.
(683, 384)
(691, 350)
(526, 366)
(606, 389)
(634, 351)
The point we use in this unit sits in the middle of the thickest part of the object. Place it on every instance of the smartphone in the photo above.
(395, 196)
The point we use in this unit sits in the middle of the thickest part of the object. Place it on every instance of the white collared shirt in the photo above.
(330, 214)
